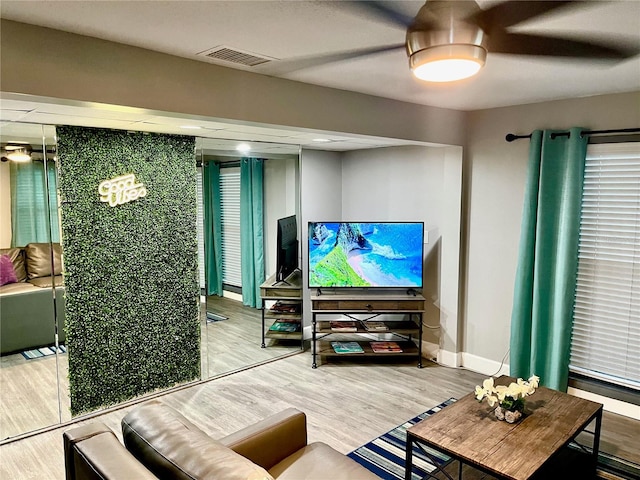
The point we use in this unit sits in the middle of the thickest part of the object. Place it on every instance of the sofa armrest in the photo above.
(93, 452)
(271, 440)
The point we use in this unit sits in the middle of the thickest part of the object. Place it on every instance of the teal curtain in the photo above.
(212, 227)
(251, 229)
(34, 213)
(548, 258)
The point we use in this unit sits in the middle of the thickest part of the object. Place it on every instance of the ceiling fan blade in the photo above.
(524, 44)
(384, 12)
(506, 14)
(282, 67)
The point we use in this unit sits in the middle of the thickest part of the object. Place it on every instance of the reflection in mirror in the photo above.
(32, 355)
(233, 336)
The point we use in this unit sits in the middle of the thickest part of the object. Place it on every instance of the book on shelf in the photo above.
(343, 326)
(347, 347)
(282, 326)
(375, 326)
(385, 347)
(283, 307)
(288, 320)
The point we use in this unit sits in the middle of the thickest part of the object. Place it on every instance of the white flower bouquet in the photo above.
(509, 398)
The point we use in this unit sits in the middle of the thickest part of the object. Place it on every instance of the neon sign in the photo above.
(121, 190)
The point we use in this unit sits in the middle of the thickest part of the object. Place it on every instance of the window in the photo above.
(230, 218)
(200, 228)
(606, 326)
(34, 210)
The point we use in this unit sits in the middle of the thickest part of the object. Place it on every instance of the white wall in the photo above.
(416, 184)
(86, 69)
(5, 206)
(494, 194)
(320, 198)
(400, 184)
(281, 200)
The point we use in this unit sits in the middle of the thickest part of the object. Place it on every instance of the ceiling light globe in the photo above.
(447, 63)
(19, 156)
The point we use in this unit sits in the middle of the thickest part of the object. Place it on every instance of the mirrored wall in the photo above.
(33, 363)
(232, 329)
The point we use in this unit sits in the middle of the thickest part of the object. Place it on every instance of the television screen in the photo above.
(286, 247)
(383, 254)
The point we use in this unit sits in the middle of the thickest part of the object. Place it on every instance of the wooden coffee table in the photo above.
(468, 431)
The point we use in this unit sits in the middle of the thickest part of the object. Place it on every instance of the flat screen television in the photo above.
(366, 254)
(286, 247)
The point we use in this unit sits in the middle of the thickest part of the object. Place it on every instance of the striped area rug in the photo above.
(43, 352)
(385, 456)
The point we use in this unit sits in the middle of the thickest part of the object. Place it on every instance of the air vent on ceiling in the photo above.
(233, 55)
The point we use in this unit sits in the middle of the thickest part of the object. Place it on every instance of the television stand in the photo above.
(402, 331)
(283, 319)
(294, 276)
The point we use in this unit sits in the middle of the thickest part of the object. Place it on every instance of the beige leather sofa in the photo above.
(162, 443)
(27, 304)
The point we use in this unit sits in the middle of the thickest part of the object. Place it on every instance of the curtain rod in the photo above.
(511, 137)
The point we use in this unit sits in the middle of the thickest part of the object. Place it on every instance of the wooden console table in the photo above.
(411, 305)
(469, 432)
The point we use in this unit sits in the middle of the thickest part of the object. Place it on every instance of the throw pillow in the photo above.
(7, 272)
(38, 259)
(17, 257)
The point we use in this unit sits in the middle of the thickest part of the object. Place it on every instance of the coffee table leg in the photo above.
(596, 440)
(408, 466)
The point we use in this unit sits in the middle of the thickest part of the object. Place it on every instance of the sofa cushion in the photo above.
(20, 287)
(17, 258)
(38, 259)
(7, 272)
(174, 448)
(312, 461)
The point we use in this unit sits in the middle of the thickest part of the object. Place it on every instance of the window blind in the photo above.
(606, 325)
(200, 228)
(230, 217)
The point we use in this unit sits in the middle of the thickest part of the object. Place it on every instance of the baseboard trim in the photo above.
(450, 359)
(484, 365)
(430, 351)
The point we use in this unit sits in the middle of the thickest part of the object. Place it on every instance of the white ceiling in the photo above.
(286, 30)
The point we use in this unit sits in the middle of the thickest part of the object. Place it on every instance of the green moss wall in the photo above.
(132, 322)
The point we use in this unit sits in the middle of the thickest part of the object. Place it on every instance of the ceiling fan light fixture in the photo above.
(19, 155)
(447, 63)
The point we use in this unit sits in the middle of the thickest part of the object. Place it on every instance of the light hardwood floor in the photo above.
(28, 388)
(233, 344)
(347, 405)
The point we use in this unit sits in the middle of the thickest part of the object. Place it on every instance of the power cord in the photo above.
(502, 363)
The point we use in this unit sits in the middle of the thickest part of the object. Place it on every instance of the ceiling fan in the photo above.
(16, 151)
(449, 40)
